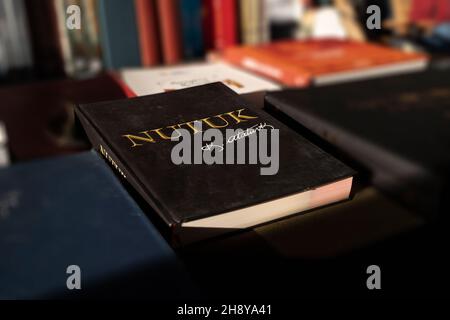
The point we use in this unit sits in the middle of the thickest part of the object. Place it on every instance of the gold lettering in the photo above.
(163, 135)
(240, 117)
(132, 138)
(191, 125)
(212, 125)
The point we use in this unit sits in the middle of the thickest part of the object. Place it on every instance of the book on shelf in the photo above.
(170, 32)
(164, 79)
(224, 19)
(320, 62)
(80, 47)
(58, 215)
(118, 33)
(146, 19)
(15, 46)
(48, 60)
(397, 128)
(201, 200)
(254, 22)
(191, 28)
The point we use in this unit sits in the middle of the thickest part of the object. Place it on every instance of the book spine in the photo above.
(169, 26)
(148, 32)
(47, 58)
(118, 33)
(208, 24)
(271, 70)
(191, 26)
(101, 146)
(16, 35)
(224, 23)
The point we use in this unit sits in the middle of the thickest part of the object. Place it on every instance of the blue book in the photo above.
(118, 33)
(191, 26)
(73, 211)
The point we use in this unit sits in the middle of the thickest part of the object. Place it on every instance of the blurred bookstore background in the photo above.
(54, 55)
(44, 62)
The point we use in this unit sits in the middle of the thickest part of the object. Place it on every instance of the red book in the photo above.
(147, 31)
(169, 25)
(298, 63)
(225, 22)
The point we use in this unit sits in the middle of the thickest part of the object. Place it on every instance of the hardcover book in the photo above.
(254, 22)
(191, 26)
(198, 198)
(225, 20)
(147, 26)
(302, 63)
(47, 55)
(80, 48)
(119, 33)
(396, 127)
(60, 214)
(170, 31)
(163, 79)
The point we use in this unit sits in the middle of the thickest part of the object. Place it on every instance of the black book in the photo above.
(398, 128)
(200, 200)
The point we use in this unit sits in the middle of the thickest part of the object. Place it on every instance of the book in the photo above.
(254, 22)
(118, 33)
(397, 128)
(320, 62)
(80, 47)
(48, 61)
(73, 211)
(191, 26)
(163, 79)
(148, 32)
(225, 18)
(202, 200)
(169, 26)
(15, 34)
(208, 24)
(46, 109)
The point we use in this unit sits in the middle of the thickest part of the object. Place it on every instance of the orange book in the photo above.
(148, 32)
(169, 25)
(300, 63)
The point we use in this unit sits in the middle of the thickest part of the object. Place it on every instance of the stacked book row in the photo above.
(80, 37)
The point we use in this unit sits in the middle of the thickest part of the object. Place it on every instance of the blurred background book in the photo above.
(137, 47)
(36, 44)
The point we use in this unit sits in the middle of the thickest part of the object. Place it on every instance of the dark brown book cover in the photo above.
(134, 137)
